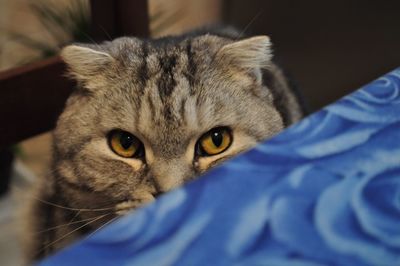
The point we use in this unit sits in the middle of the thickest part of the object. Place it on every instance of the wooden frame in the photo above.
(32, 96)
(111, 19)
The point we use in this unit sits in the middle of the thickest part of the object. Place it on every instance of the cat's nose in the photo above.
(168, 175)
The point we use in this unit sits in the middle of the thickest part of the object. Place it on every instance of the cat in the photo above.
(148, 116)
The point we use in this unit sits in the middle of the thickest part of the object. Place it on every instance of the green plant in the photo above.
(71, 24)
(65, 25)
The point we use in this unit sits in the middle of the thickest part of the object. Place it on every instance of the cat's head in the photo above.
(151, 115)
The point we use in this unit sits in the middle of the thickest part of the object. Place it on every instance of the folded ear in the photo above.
(85, 63)
(251, 54)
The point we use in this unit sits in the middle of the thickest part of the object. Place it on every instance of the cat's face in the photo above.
(150, 116)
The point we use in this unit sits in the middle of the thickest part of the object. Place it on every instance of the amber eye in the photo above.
(215, 141)
(125, 144)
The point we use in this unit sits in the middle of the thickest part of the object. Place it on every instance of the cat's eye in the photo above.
(125, 144)
(214, 142)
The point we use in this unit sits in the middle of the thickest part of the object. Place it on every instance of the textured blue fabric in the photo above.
(324, 192)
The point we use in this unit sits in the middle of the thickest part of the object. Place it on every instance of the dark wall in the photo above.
(329, 47)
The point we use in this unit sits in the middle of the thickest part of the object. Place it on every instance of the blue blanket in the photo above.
(324, 192)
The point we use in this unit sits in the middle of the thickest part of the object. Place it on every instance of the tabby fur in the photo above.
(167, 92)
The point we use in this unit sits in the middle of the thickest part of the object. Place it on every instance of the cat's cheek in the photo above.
(136, 164)
(66, 170)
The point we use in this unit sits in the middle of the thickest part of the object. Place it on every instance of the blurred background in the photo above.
(328, 48)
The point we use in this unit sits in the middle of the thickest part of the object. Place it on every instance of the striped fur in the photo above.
(167, 92)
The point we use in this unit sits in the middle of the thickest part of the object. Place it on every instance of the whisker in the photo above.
(68, 208)
(100, 227)
(74, 209)
(105, 32)
(67, 224)
(249, 24)
(76, 229)
(76, 215)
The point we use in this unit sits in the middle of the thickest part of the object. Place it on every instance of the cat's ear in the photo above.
(251, 54)
(85, 63)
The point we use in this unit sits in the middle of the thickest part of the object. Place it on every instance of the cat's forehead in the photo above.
(165, 52)
(169, 72)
